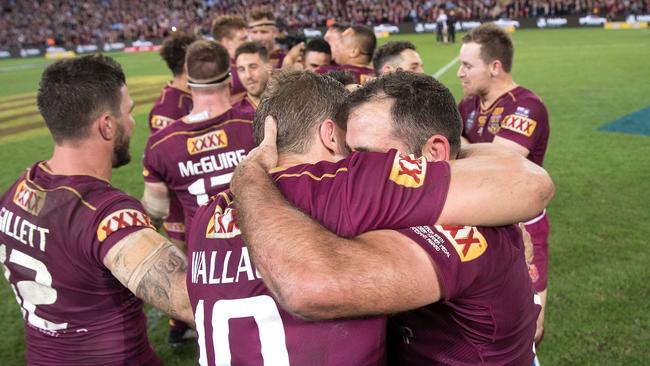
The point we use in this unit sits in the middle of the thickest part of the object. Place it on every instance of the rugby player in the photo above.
(469, 285)
(174, 102)
(334, 36)
(310, 57)
(497, 110)
(230, 31)
(194, 158)
(397, 55)
(226, 291)
(254, 71)
(262, 29)
(354, 53)
(79, 253)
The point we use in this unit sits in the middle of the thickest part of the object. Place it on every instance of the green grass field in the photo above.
(598, 309)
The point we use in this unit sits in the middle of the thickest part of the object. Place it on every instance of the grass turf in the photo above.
(597, 309)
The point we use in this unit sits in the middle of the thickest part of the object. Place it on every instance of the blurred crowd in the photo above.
(68, 22)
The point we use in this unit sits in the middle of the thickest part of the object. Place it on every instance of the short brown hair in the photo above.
(254, 48)
(495, 44)
(206, 60)
(299, 101)
(224, 25)
(261, 14)
(421, 107)
(173, 50)
(365, 39)
(74, 92)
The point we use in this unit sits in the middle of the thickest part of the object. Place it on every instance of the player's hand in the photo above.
(293, 58)
(260, 160)
(528, 244)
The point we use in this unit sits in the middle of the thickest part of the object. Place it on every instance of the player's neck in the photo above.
(213, 104)
(83, 158)
(358, 62)
(498, 89)
(254, 100)
(180, 83)
(314, 155)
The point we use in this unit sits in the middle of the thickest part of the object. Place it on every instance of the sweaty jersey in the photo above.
(245, 107)
(488, 312)
(196, 160)
(54, 233)
(171, 105)
(518, 115)
(361, 74)
(238, 320)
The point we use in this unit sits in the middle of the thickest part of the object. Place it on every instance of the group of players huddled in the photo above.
(374, 223)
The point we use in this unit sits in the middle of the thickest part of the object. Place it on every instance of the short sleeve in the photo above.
(526, 123)
(113, 222)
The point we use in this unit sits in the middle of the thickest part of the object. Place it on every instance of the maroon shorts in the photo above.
(538, 228)
(174, 223)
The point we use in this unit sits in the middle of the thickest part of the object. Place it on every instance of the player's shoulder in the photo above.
(524, 96)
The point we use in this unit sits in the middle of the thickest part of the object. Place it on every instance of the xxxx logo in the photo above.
(408, 171)
(207, 142)
(160, 122)
(29, 199)
(467, 240)
(121, 219)
(223, 225)
(519, 124)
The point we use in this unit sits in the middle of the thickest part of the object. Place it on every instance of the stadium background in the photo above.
(598, 310)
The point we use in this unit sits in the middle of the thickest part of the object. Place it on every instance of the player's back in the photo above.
(245, 107)
(172, 104)
(195, 156)
(54, 233)
(238, 320)
(363, 192)
(488, 311)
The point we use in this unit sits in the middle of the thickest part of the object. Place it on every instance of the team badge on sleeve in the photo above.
(121, 219)
(160, 122)
(223, 225)
(467, 240)
(519, 124)
(408, 171)
(29, 199)
(207, 142)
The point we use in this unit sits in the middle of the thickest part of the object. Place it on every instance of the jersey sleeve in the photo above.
(394, 191)
(455, 251)
(526, 123)
(113, 222)
(151, 165)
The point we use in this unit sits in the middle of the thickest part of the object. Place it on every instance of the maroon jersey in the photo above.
(276, 57)
(196, 159)
(237, 318)
(518, 115)
(361, 74)
(54, 233)
(236, 87)
(172, 104)
(245, 107)
(488, 312)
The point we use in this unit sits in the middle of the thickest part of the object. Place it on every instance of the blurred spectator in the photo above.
(69, 22)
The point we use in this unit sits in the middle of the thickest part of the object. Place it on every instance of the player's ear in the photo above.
(107, 126)
(387, 69)
(328, 136)
(436, 148)
(496, 68)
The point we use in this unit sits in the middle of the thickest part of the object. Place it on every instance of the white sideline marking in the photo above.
(19, 67)
(444, 69)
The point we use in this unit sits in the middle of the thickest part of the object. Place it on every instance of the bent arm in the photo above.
(154, 270)
(315, 274)
(492, 185)
(155, 200)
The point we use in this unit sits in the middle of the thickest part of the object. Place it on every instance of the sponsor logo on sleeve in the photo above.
(522, 111)
(223, 225)
(29, 199)
(408, 171)
(467, 240)
(522, 125)
(207, 142)
(174, 227)
(160, 122)
(121, 219)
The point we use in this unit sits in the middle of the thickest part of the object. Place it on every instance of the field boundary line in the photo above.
(444, 69)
